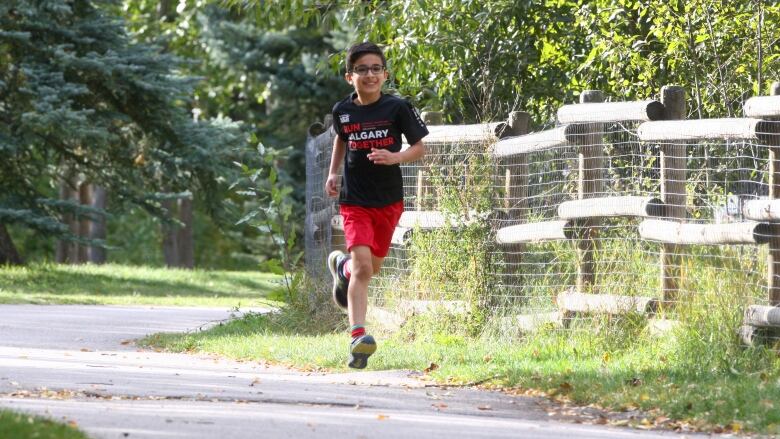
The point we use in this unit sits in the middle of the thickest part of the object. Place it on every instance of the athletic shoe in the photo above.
(360, 349)
(336, 260)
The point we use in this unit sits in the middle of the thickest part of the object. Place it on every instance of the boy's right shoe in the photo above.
(359, 350)
(336, 260)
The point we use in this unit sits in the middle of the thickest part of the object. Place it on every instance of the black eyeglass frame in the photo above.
(376, 69)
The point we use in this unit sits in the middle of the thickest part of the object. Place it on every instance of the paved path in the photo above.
(76, 363)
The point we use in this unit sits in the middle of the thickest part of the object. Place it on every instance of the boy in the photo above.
(368, 128)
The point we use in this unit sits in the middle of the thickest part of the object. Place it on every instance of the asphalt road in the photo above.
(78, 364)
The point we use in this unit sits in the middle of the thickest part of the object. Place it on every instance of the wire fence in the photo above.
(620, 209)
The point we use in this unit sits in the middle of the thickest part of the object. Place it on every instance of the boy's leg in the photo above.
(362, 269)
(361, 272)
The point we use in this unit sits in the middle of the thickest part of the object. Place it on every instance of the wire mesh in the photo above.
(597, 222)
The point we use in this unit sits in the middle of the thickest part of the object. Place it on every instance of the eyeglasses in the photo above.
(363, 70)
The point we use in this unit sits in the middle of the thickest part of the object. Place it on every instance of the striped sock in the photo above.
(346, 269)
(357, 331)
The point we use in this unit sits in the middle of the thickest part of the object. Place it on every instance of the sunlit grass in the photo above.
(20, 425)
(132, 285)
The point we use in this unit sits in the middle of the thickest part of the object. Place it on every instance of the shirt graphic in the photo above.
(378, 125)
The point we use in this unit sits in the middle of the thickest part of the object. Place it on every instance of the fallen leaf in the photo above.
(484, 407)
(432, 367)
(85, 350)
(382, 417)
(634, 382)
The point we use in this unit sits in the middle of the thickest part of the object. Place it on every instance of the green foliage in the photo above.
(271, 77)
(270, 204)
(79, 98)
(457, 262)
(477, 60)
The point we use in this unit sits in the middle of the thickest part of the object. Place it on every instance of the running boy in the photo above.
(368, 125)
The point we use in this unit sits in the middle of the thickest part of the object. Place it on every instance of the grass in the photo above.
(130, 285)
(20, 425)
(674, 381)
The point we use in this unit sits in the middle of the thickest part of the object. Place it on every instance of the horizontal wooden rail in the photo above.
(535, 232)
(571, 301)
(322, 216)
(762, 210)
(423, 219)
(475, 133)
(709, 129)
(337, 222)
(321, 141)
(611, 206)
(611, 112)
(401, 236)
(762, 106)
(543, 140)
(673, 232)
(762, 316)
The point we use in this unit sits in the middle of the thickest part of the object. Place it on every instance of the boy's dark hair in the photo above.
(361, 49)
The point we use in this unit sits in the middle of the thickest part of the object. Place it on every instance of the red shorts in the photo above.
(371, 226)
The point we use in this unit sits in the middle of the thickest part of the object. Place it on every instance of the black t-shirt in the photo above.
(377, 125)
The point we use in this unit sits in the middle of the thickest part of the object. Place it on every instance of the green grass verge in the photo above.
(617, 365)
(21, 425)
(131, 285)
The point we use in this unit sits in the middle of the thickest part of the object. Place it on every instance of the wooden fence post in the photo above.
(773, 260)
(430, 118)
(516, 185)
(673, 162)
(589, 185)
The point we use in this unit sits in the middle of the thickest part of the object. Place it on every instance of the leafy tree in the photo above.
(479, 59)
(78, 97)
(272, 78)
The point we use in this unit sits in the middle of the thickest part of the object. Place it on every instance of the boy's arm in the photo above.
(385, 157)
(331, 185)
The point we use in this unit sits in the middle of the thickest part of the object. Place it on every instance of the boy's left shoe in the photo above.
(336, 260)
(359, 350)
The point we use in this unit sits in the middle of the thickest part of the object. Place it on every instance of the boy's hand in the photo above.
(383, 157)
(331, 185)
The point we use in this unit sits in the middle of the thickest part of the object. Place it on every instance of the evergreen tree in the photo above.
(78, 97)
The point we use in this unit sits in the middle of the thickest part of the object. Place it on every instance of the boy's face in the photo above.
(366, 81)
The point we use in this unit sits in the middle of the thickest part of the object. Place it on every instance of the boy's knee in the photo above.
(361, 269)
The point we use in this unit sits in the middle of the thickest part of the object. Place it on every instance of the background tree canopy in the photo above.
(150, 99)
(475, 60)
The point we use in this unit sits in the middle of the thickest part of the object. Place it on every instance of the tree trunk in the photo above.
(8, 253)
(67, 250)
(170, 237)
(185, 235)
(85, 195)
(97, 255)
